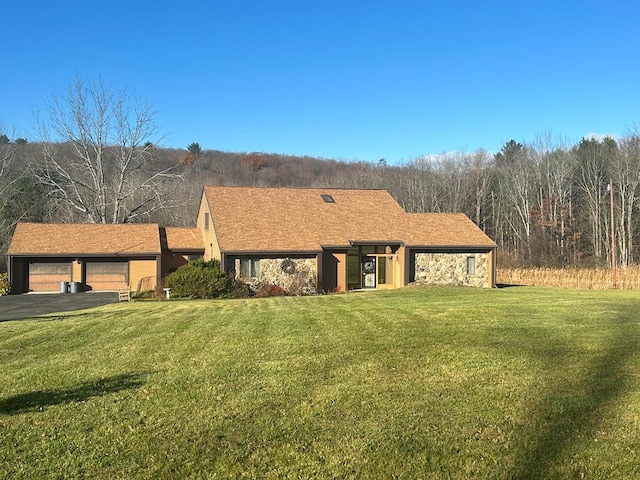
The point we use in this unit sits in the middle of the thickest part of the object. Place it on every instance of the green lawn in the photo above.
(416, 383)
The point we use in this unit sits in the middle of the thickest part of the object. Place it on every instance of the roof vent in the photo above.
(327, 198)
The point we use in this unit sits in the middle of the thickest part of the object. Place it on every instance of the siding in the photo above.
(211, 246)
(139, 269)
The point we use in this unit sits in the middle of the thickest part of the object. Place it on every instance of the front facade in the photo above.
(301, 239)
(339, 239)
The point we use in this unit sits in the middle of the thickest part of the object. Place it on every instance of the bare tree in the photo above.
(101, 162)
(625, 175)
(478, 167)
(592, 157)
(553, 212)
(451, 183)
(11, 168)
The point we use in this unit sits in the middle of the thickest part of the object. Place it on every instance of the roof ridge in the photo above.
(261, 187)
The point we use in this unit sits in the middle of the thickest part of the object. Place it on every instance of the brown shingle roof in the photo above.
(298, 219)
(84, 239)
(184, 239)
(444, 229)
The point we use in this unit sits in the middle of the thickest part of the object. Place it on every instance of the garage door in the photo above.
(46, 277)
(107, 275)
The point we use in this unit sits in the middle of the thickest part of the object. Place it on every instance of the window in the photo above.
(206, 220)
(327, 198)
(191, 258)
(471, 265)
(250, 267)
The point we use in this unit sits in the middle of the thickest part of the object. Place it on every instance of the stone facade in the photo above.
(451, 269)
(297, 276)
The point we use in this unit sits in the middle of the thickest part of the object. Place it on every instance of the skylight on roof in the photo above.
(327, 198)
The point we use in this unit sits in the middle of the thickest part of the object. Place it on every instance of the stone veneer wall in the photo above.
(301, 282)
(451, 269)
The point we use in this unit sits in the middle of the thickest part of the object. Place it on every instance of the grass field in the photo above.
(423, 382)
(627, 278)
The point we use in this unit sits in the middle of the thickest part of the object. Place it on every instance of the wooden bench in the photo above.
(124, 294)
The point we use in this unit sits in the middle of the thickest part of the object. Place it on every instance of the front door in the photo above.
(368, 272)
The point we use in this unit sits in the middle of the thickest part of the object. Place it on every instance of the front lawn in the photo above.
(423, 382)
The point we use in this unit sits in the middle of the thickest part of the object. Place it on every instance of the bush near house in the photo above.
(270, 290)
(200, 279)
(5, 287)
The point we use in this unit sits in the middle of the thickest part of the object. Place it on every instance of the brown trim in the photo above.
(88, 255)
(158, 270)
(179, 251)
(453, 248)
(255, 253)
(494, 268)
(485, 248)
(355, 243)
(319, 271)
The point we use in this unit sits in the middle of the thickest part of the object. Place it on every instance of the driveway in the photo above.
(15, 307)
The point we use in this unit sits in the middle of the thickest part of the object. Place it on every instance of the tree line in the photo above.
(545, 202)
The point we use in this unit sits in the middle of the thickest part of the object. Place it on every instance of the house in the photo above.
(304, 239)
(322, 239)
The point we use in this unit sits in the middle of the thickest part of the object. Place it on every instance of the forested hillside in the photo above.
(98, 159)
(544, 204)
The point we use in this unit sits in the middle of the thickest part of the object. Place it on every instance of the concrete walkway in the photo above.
(16, 307)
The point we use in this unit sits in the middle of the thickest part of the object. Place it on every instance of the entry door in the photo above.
(368, 272)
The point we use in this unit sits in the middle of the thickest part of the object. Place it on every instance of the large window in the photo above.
(249, 267)
(353, 267)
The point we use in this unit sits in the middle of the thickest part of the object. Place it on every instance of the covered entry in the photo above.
(371, 266)
(105, 275)
(46, 276)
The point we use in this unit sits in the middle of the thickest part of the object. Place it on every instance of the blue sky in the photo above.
(351, 80)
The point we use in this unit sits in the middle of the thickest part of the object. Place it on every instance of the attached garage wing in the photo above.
(107, 275)
(46, 276)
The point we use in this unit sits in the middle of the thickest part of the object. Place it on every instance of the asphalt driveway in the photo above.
(15, 307)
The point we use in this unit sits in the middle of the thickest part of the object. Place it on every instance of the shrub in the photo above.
(144, 295)
(200, 279)
(239, 289)
(5, 288)
(270, 290)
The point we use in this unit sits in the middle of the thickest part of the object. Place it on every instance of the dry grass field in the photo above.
(584, 278)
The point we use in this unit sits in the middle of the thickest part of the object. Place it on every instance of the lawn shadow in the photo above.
(583, 409)
(508, 285)
(40, 399)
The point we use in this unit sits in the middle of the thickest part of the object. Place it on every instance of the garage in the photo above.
(46, 276)
(107, 275)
